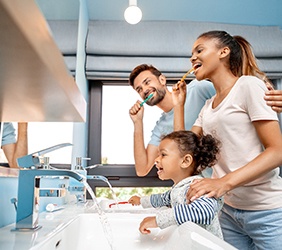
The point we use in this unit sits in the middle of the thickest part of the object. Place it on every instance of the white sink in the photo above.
(86, 232)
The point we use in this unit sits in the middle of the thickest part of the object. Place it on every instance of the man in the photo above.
(146, 79)
(14, 148)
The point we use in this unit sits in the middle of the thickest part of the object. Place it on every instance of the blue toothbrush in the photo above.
(149, 96)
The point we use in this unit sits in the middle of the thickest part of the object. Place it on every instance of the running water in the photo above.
(103, 178)
(103, 218)
(112, 190)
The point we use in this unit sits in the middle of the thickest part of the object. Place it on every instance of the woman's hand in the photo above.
(134, 200)
(148, 222)
(179, 93)
(208, 187)
(178, 99)
(274, 100)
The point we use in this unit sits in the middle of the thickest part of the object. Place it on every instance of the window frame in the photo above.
(119, 175)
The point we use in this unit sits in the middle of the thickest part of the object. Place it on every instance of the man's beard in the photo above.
(158, 97)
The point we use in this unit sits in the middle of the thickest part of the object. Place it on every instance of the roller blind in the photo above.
(114, 48)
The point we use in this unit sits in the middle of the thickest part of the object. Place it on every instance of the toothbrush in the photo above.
(121, 202)
(150, 96)
(190, 71)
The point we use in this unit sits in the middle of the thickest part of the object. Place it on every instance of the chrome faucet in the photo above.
(28, 195)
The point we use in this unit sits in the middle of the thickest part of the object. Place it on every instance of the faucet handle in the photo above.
(79, 162)
(14, 201)
(46, 163)
(30, 160)
(50, 149)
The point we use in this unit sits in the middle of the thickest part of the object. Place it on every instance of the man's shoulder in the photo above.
(200, 84)
(203, 87)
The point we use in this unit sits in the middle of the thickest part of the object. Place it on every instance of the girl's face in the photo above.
(169, 161)
(205, 58)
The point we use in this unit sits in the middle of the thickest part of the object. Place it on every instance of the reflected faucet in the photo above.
(33, 160)
(28, 195)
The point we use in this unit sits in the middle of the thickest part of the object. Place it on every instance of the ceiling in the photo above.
(251, 12)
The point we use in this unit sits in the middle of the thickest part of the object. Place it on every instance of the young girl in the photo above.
(182, 156)
(247, 172)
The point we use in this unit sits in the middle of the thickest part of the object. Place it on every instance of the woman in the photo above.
(247, 172)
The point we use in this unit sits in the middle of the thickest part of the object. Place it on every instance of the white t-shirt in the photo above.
(231, 123)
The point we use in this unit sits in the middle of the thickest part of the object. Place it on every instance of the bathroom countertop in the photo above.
(51, 222)
(62, 230)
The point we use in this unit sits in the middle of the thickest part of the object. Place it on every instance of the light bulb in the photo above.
(133, 14)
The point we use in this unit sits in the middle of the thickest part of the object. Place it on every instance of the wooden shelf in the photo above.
(35, 84)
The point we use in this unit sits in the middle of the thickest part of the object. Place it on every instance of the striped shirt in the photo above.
(203, 211)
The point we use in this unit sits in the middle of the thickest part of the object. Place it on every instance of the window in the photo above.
(113, 139)
(43, 135)
(117, 127)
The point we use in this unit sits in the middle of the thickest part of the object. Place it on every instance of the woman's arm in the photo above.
(270, 136)
(178, 98)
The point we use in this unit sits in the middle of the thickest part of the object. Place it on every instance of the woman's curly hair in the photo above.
(204, 149)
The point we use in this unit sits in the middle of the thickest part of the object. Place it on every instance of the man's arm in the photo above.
(144, 157)
(18, 149)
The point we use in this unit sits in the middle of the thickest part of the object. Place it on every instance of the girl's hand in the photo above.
(148, 222)
(134, 200)
(208, 187)
(179, 93)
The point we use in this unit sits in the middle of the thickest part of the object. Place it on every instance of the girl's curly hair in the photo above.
(204, 149)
